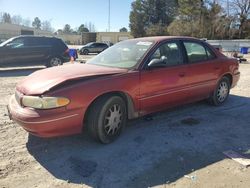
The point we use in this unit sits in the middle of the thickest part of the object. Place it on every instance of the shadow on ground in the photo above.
(18, 72)
(150, 152)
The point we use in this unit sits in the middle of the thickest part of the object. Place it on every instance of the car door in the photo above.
(98, 47)
(102, 47)
(16, 52)
(93, 48)
(40, 47)
(203, 69)
(3, 55)
(163, 87)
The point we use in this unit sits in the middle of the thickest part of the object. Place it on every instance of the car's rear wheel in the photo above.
(107, 118)
(221, 92)
(54, 61)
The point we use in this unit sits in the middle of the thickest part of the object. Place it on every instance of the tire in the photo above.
(85, 52)
(107, 118)
(221, 92)
(54, 61)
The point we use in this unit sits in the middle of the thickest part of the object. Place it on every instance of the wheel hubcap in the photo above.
(113, 119)
(222, 91)
(55, 61)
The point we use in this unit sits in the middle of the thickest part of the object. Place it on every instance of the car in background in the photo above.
(33, 50)
(93, 47)
(131, 79)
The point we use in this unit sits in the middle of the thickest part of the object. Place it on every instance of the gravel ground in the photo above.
(180, 148)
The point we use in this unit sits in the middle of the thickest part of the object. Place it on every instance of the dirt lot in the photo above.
(178, 148)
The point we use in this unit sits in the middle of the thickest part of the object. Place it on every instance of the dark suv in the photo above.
(93, 47)
(33, 50)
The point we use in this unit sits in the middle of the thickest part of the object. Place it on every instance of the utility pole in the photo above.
(109, 18)
(227, 8)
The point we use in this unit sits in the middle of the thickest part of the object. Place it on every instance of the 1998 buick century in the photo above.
(130, 79)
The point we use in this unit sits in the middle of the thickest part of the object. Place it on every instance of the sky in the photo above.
(72, 12)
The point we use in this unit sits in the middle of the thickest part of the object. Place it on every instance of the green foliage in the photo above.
(82, 29)
(190, 9)
(179, 28)
(124, 29)
(6, 18)
(67, 29)
(148, 16)
(197, 18)
(157, 30)
(137, 19)
(37, 23)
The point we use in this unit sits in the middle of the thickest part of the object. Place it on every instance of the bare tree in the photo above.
(241, 8)
(26, 22)
(90, 26)
(6, 18)
(1, 17)
(46, 26)
(17, 19)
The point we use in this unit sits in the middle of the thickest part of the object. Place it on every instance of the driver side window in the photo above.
(169, 53)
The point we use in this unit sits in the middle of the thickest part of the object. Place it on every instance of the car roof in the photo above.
(34, 36)
(162, 38)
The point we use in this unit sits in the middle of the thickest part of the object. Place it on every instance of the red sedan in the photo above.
(128, 80)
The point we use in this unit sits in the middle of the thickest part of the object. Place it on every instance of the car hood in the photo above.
(41, 81)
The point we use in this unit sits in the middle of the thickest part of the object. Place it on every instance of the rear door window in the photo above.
(196, 52)
(102, 45)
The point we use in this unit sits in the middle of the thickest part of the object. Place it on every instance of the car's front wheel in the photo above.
(54, 61)
(107, 118)
(85, 52)
(221, 92)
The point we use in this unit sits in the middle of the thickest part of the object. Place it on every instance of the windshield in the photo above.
(124, 54)
(6, 42)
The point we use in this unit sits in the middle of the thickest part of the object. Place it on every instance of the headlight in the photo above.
(44, 102)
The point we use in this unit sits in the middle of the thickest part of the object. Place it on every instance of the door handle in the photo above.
(182, 74)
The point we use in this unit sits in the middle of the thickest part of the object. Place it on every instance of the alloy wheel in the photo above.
(113, 119)
(55, 61)
(222, 92)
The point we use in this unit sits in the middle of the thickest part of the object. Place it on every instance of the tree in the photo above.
(67, 29)
(6, 18)
(59, 32)
(36, 23)
(16, 19)
(137, 19)
(241, 9)
(82, 29)
(202, 19)
(26, 22)
(90, 26)
(123, 29)
(191, 11)
(46, 26)
(151, 14)
(156, 30)
(179, 28)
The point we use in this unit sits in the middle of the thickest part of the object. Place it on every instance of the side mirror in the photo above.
(156, 63)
